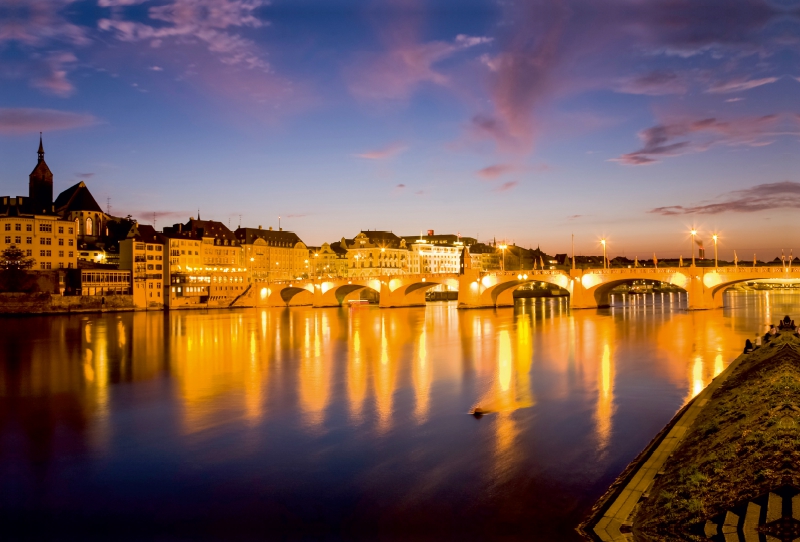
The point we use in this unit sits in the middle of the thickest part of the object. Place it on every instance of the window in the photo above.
(61, 265)
(89, 226)
(8, 239)
(17, 227)
(29, 253)
(29, 240)
(48, 253)
(28, 227)
(61, 229)
(48, 265)
(45, 227)
(41, 265)
(158, 267)
(18, 239)
(70, 230)
(70, 254)
(8, 227)
(60, 242)
(70, 242)
(60, 253)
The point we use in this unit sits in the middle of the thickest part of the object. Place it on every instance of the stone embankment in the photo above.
(44, 303)
(726, 468)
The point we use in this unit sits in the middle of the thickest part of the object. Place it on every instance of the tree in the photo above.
(14, 266)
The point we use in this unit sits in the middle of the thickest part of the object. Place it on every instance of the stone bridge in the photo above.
(587, 288)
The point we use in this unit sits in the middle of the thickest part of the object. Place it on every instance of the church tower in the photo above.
(40, 186)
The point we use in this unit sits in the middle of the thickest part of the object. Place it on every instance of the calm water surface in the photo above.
(330, 424)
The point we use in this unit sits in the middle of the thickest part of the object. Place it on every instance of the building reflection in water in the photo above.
(366, 370)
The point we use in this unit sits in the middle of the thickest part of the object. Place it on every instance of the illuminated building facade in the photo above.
(143, 253)
(375, 253)
(484, 257)
(274, 254)
(30, 223)
(436, 253)
(329, 260)
(206, 264)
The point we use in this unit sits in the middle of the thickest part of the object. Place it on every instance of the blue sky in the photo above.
(526, 121)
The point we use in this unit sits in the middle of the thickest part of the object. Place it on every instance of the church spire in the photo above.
(41, 149)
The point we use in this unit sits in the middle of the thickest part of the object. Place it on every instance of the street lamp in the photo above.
(694, 232)
(716, 262)
(603, 242)
(503, 248)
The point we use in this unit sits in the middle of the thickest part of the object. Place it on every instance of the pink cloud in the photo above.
(779, 195)
(208, 21)
(555, 50)
(491, 173)
(682, 137)
(390, 151)
(396, 73)
(505, 187)
(30, 120)
(54, 79)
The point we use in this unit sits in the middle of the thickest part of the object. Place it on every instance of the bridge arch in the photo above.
(593, 289)
(494, 290)
(409, 291)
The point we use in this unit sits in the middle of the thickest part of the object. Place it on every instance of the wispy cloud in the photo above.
(31, 120)
(555, 50)
(780, 195)
(396, 73)
(84, 175)
(574, 217)
(505, 187)
(390, 151)
(55, 68)
(657, 83)
(491, 173)
(207, 21)
(677, 138)
(740, 85)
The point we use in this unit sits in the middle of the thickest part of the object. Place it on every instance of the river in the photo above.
(345, 424)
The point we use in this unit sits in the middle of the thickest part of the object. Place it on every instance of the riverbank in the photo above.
(716, 457)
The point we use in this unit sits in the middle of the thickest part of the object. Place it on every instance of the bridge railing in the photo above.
(528, 272)
(756, 270)
(629, 271)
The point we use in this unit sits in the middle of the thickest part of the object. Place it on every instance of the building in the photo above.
(77, 205)
(143, 252)
(31, 224)
(330, 260)
(205, 264)
(484, 257)
(273, 254)
(436, 253)
(374, 253)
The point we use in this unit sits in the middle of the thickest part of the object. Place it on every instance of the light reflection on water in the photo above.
(348, 423)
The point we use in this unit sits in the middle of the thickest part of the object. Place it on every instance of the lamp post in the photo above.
(716, 261)
(503, 248)
(694, 232)
(603, 242)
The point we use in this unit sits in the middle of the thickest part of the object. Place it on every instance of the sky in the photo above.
(524, 121)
